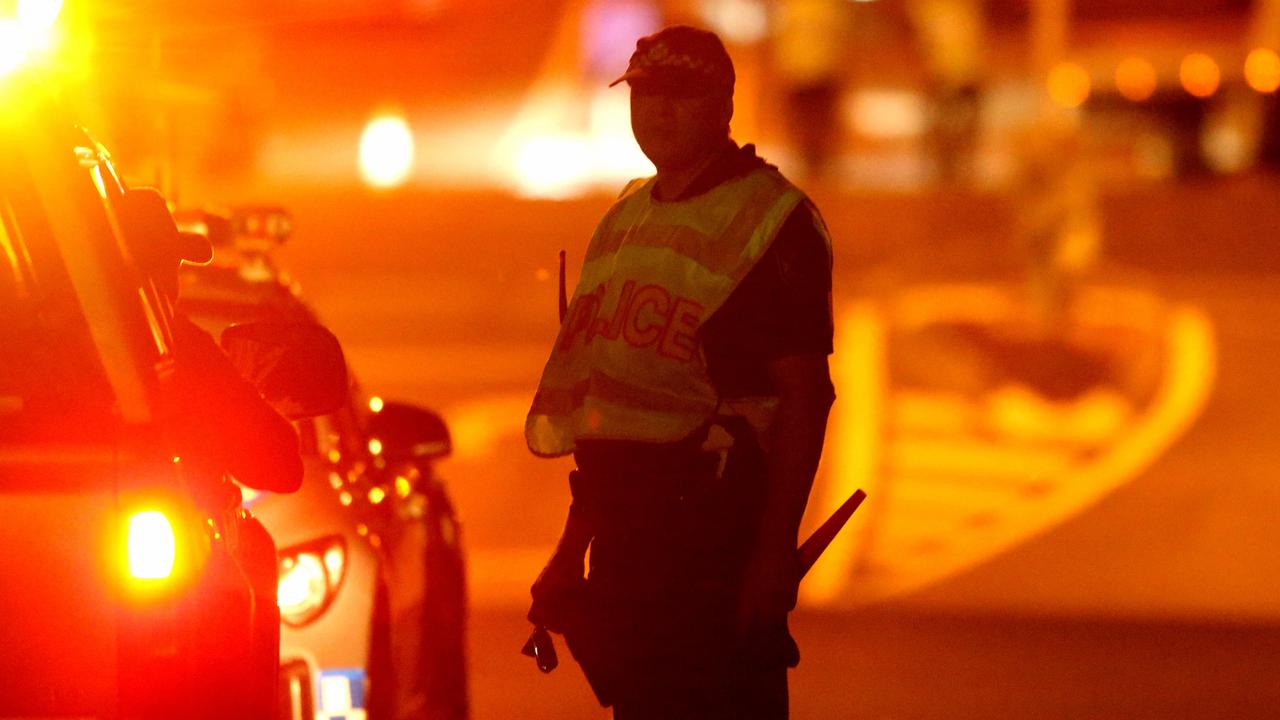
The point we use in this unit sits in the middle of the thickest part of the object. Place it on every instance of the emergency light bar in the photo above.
(213, 225)
(262, 223)
(251, 225)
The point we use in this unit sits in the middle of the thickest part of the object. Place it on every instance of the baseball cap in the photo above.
(683, 57)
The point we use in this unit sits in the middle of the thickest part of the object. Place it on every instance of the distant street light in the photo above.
(1200, 75)
(1069, 85)
(1136, 79)
(386, 151)
(1262, 70)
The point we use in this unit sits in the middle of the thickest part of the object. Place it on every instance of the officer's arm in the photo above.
(805, 395)
(225, 421)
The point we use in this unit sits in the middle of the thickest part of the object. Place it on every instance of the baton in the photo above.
(810, 550)
(542, 649)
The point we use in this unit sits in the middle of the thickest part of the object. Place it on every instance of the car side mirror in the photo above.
(409, 432)
(297, 367)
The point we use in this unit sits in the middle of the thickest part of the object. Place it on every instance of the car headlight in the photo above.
(310, 575)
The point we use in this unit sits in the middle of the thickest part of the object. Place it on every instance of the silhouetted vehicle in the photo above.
(133, 584)
(372, 573)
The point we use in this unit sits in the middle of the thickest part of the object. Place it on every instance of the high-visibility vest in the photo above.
(627, 363)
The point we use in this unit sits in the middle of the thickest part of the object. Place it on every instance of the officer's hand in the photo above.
(768, 591)
(555, 592)
(561, 571)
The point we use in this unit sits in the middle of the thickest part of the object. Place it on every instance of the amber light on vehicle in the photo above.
(153, 548)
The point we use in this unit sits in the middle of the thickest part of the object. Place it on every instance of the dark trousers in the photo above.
(751, 693)
(671, 541)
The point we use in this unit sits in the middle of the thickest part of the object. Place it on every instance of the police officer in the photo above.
(220, 421)
(690, 382)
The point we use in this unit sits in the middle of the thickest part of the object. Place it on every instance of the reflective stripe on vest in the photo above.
(627, 364)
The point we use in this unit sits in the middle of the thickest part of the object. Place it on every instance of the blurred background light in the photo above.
(553, 167)
(609, 32)
(738, 21)
(1262, 70)
(1226, 147)
(13, 47)
(386, 151)
(1136, 79)
(38, 16)
(1069, 85)
(615, 156)
(1200, 75)
(888, 114)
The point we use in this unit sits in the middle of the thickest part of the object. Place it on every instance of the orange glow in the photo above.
(1200, 75)
(1069, 85)
(1262, 70)
(554, 166)
(386, 151)
(1136, 79)
(377, 495)
(152, 546)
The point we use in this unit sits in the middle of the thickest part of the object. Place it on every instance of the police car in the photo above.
(132, 583)
(371, 572)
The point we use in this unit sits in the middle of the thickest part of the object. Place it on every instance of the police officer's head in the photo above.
(155, 242)
(681, 82)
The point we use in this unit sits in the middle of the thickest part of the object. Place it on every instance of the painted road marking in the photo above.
(946, 496)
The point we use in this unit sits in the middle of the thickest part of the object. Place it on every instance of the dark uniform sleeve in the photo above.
(782, 307)
(223, 422)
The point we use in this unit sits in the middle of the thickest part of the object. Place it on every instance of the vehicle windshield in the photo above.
(51, 381)
(82, 333)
